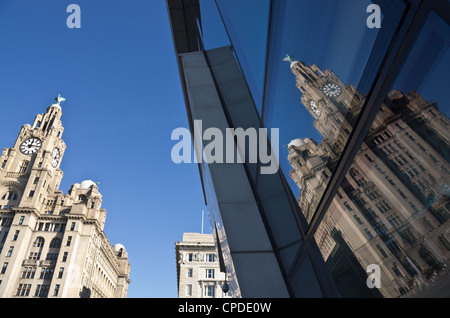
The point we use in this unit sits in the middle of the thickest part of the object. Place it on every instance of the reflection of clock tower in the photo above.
(33, 162)
(333, 104)
(334, 107)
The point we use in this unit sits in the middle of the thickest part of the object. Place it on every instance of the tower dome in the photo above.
(86, 184)
(117, 247)
(296, 143)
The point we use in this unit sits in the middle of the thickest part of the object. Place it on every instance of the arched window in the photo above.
(36, 250)
(39, 242)
(55, 243)
(10, 196)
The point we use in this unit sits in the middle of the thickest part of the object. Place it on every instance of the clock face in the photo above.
(30, 146)
(314, 108)
(55, 157)
(331, 89)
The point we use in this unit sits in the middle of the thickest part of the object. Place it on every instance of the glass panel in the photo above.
(214, 34)
(317, 100)
(270, 192)
(390, 217)
(247, 25)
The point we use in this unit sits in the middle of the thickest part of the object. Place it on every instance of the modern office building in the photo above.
(359, 206)
(52, 245)
(198, 269)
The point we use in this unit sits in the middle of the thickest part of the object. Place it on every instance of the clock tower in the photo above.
(53, 244)
(31, 166)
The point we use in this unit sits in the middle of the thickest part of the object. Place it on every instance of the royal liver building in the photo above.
(52, 244)
(392, 209)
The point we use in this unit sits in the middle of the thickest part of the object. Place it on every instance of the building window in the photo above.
(64, 258)
(427, 222)
(16, 235)
(72, 226)
(190, 257)
(61, 272)
(348, 206)
(23, 290)
(189, 290)
(401, 193)
(23, 166)
(69, 240)
(31, 194)
(209, 291)
(189, 272)
(4, 267)
(11, 248)
(416, 210)
(46, 273)
(379, 169)
(21, 220)
(34, 256)
(41, 290)
(372, 194)
(55, 292)
(369, 158)
(383, 206)
(39, 242)
(209, 273)
(51, 257)
(357, 219)
(28, 272)
(55, 243)
(382, 251)
(380, 228)
(368, 234)
(210, 258)
(394, 220)
(390, 180)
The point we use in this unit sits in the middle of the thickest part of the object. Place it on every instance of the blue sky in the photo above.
(120, 78)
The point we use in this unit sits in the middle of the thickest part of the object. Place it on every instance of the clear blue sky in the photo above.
(119, 76)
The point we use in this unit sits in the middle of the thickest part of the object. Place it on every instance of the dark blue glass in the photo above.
(247, 26)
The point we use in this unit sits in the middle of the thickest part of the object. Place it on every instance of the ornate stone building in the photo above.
(52, 244)
(393, 207)
(198, 269)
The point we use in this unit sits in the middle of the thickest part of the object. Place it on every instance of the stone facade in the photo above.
(53, 244)
(198, 269)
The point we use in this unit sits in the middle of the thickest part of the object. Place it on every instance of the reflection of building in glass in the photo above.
(393, 207)
(317, 244)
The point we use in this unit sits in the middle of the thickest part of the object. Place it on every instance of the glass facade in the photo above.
(360, 205)
(392, 209)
